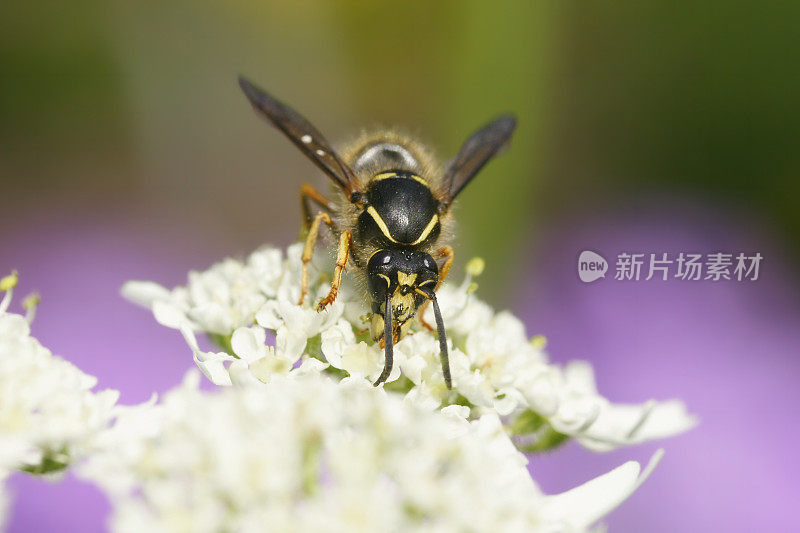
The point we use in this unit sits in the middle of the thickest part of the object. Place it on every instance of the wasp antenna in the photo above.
(388, 337)
(443, 354)
(445, 357)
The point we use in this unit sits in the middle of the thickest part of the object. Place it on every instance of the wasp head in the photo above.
(404, 277)
(399, 281)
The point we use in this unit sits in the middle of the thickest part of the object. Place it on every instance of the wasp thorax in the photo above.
(402, 276)
(400, 209)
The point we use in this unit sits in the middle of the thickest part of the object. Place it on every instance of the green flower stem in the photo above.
(530, 426)
(223, 342)
(51, 463)
(310, 465)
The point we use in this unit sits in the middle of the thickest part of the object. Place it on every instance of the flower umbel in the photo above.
(302, 441)
(496, 368)
(49, 416)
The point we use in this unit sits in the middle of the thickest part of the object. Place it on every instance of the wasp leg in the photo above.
(396, 334)
(341, 260)
(445, 251)
(448, 253)
(307, 192)
(308, 251)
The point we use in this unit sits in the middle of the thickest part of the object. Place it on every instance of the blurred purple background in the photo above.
(729, 349)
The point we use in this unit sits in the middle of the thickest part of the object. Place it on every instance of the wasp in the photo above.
(390, 212)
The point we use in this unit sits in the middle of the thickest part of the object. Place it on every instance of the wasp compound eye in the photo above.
(381, 277)
(428, 269)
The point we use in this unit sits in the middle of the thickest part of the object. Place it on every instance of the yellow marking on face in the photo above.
(428, 229)
(388, 281)
(427, 281)
(381, 224)
(376, 326)
(420, 291)
(406, 279)
(403, 306)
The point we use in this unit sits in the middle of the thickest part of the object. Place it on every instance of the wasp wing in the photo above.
(475, 153)
(301, 133)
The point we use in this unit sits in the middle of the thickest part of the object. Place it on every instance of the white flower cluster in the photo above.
(49, 416)
(304, 442)
(495, 367)
(305, 453)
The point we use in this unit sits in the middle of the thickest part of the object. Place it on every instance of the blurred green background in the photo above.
(128, 113)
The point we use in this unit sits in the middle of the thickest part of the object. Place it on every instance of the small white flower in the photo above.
(215, 365)
(262, 361)
(335, 340)
(229, 294)
(601, 425)
(294, 324)
(49, 417)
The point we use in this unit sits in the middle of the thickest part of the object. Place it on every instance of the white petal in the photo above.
(310, 366)
(459, 412)
(249, 343)
(584, 505)
(268, 316)
(168, 315)
(511, 400)
(335, 340)
(240, 375)
(214, 370)
(622, 424)
(579, 374)
(144, 292)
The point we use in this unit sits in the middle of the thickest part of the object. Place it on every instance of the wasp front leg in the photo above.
(308, 251)
(345, 240)
(449, 255)
(310, 194)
